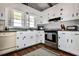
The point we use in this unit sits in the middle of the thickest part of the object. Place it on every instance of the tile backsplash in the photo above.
(54, 25)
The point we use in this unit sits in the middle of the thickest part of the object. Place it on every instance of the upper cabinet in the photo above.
(43, 19)
(67, 11)
(2, 13)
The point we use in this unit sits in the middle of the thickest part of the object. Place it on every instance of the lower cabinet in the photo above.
(40, 37)
(68, 41)
(28, 38)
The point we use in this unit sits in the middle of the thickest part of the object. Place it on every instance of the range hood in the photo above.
(55, 19)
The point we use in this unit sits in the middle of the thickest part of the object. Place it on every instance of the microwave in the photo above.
(72, 28)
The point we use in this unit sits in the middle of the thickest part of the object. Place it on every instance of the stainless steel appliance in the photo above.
(51, 38)
(72, 28)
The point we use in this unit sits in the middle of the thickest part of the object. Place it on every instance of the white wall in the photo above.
(23, 8)
(56, 25)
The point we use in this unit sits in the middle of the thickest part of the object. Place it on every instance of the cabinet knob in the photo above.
(31, 37)
(1, 14)
(17, 46)
(76, 14)
(58, 45)
(67, 40)
(20, 33)
(17, 37)
(24, 44)
(73, 15)
(76, 34)
(59, 37)
(41, 35)
(63, 33)
(61, 9)
(60, 13)
(71, 40)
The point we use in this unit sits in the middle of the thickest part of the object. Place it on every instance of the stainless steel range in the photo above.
(51, 38)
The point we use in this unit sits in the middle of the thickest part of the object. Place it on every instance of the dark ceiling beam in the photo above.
(25, 4)
(50, 4)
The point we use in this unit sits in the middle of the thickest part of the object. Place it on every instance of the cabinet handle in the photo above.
(41, 35)
(24, 37)
(17, 46)
(31, 37)
(24, 44)
(76, 34)
(72, 15)
(63, 33)
(71, 40)
(1, 14)
(58, 45)
(76, 14)
(67, 40)
(60, 13)
(61, 9)
(59, 37)
(17, 37)
(20, 33)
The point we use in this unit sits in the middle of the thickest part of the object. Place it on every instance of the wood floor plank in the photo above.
(32, 48)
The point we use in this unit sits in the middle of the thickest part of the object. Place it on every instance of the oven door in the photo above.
(51, 37)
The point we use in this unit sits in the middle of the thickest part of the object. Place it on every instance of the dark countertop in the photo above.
(20, 30)
(7, 31)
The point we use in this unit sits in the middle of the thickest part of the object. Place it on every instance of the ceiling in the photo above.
(40, 6)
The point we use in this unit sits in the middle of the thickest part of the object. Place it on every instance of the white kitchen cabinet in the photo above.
(68, 41)
(69, 12)
(19, 40)
(42, 19)
(62, 39)
(7, 42)
(40, 37)
(28, 38)
(74, 43)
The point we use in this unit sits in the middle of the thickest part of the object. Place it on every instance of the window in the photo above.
(31, 21)
(17, 18)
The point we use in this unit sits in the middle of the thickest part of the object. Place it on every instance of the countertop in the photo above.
(7, 31)
(19, 30)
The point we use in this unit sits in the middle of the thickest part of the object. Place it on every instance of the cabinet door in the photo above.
(19, 40)
(75, 43)
(38, 38)
(68, 12)
(33, 37)
(62, 41)
(28, 40)
(2, 13)
(42, 36)
(76, 11)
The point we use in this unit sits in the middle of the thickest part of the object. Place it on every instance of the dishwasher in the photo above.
(7, 42)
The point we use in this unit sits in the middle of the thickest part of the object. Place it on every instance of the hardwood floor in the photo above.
(32, 48)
